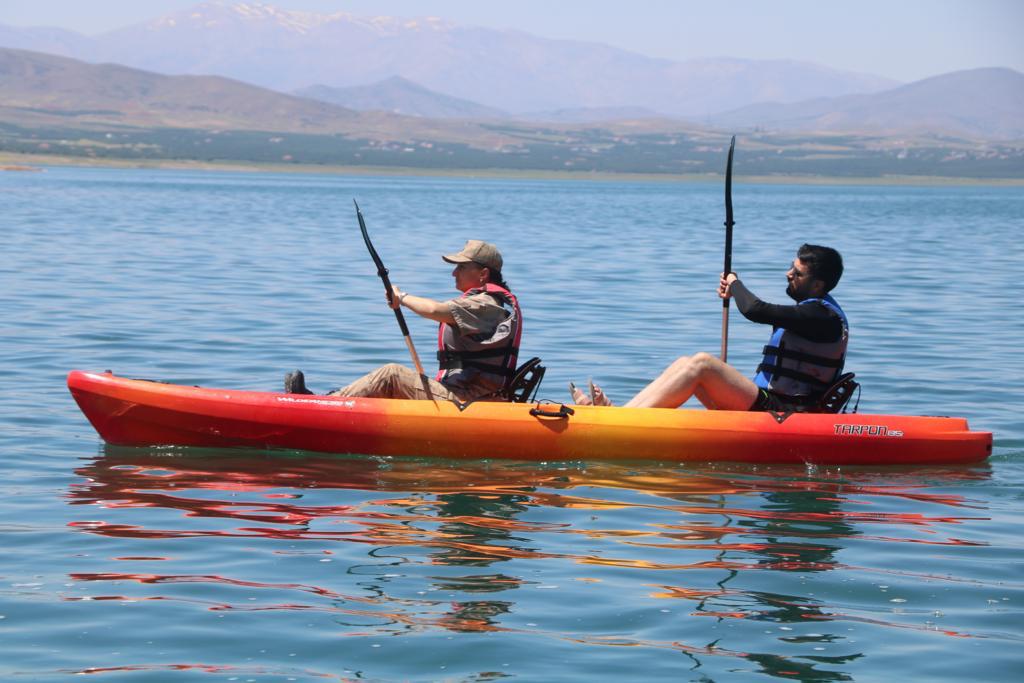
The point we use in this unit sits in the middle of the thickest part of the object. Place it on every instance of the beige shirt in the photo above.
(480, 314)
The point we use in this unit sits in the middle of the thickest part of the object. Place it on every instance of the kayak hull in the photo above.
(144, 413)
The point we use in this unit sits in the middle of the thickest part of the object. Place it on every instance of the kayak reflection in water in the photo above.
(478, 340)
(801, 361)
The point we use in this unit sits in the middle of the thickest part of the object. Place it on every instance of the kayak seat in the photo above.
(525, 382)
(837, 396)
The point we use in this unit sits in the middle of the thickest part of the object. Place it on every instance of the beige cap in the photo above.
(476, 251)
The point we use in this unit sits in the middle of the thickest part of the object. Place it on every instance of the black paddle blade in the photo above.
(728, 184)
(728, 209)
(381, 270)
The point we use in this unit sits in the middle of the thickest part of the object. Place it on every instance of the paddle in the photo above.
(383, 273)
(728, 248)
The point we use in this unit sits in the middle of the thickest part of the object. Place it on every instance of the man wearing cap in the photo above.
(478, 339)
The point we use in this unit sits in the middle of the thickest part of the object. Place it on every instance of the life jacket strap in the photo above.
(777, 371)
(498, 370)
(447, 355)
(780, 352)
(449, 360)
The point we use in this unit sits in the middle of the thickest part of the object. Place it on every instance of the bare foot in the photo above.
(578, 397)
(597, 395)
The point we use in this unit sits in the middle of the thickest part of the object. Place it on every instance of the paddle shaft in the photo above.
(383, 273)
(727, 268)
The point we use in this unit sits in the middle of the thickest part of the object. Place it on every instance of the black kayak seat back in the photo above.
(837, 396)
(525, 381)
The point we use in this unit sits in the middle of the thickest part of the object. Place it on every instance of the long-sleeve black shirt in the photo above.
(815, 322)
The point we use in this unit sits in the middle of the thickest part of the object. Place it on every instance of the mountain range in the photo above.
(401, 96)
(39, 90)
(249, 83)
(510, 71)
(54, 105)
(985, 103)
(982, 103)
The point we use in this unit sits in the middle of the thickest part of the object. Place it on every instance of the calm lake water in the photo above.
(186, 564)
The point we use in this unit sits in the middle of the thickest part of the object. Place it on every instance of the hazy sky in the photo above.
(901, 39)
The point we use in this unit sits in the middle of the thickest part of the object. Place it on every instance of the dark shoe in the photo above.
(295, 383)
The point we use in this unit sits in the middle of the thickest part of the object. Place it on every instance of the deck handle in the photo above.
(563, 412)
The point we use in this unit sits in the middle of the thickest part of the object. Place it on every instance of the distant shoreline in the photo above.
(35, 162)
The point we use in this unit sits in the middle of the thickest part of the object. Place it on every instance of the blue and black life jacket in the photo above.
(795, 366)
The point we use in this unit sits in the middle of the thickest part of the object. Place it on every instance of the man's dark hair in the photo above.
(825, 263)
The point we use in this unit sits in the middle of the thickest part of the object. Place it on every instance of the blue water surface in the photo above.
(152, 564)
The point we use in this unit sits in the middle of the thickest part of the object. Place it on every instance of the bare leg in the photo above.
(703, 397)
(718, 385)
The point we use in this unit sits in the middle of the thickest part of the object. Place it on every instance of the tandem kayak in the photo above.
(133, 412)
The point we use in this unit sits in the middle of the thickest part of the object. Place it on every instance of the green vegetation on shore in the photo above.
(534, 152)
(15, 161)
(536, 149)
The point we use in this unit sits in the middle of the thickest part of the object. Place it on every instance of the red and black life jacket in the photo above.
(491, 356)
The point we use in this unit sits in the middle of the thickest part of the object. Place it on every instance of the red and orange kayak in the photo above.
(133, 412)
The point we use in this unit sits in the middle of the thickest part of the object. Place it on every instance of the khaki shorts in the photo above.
(397, 381)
